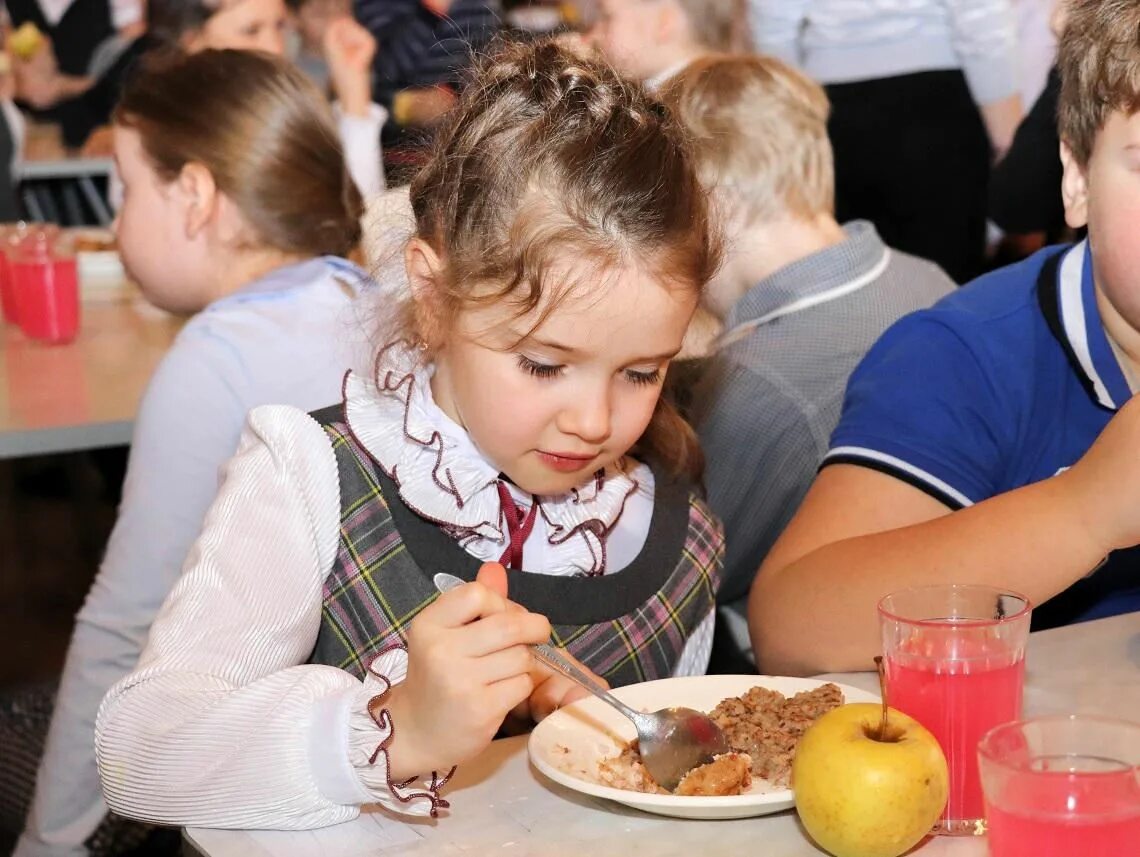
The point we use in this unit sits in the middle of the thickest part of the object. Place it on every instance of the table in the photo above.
(501, 806)
(84, 395)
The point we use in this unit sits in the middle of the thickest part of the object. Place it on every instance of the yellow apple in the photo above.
(25, 41)
(860, 794)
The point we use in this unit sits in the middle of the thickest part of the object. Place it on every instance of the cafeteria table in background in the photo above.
(83, 395)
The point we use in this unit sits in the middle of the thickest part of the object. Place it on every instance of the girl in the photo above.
(238, 207)
(514, 417)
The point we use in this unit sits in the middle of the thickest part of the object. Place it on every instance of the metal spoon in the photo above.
(672, 741)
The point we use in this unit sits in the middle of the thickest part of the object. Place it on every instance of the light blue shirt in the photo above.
(287, 338)
(841, 41)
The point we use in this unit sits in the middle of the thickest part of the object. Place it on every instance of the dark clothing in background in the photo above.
(81, 115)
(912, 156)
(1025, 189)
(9, 210)
(415, 47)
(84, 26)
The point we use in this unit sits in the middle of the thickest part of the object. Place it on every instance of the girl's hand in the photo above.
(438, 7)
(468, 666)
(349, 50)
(553, 690)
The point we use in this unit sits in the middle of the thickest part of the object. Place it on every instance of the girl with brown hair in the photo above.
(238, 209)
(304, 664)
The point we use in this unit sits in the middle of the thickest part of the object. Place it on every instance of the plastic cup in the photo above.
(10, 235)
(46, 282)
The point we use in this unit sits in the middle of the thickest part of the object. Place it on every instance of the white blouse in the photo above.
(223, 724)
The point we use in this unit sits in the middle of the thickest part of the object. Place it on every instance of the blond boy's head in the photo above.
(644, 38)
(760, 131)
(1099, 126)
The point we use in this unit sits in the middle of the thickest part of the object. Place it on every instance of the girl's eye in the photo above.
(539, 370)
(643, 378)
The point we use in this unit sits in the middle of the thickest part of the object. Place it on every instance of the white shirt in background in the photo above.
(841, 41)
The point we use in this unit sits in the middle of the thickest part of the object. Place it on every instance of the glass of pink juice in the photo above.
(955, 662)
(1060, 786)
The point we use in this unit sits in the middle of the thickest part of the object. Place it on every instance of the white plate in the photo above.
(568, 744)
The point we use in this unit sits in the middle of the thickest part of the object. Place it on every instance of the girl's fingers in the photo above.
(509, 693)
(494, 577)
(499, 631)
(498, 666)
(463, 605)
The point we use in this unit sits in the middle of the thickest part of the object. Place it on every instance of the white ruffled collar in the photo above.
(442, 476)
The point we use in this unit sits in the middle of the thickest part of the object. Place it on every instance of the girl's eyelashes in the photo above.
(553, 370)
(643, 378)
(539, 370)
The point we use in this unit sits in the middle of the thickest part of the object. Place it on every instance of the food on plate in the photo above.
(729, 774)
(762, 727)
(870, 781)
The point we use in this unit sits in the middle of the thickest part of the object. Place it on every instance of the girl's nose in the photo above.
(588, 417)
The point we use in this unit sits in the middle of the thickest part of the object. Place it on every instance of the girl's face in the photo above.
(551, 407)
(247, 25)
(152, 234)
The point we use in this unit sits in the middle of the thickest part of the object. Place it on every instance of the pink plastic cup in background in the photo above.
(46, 281)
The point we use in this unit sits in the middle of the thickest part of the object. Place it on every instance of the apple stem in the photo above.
(883, 693)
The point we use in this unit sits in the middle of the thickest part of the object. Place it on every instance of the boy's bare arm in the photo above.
(861, 534)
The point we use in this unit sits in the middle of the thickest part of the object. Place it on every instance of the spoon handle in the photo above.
(555, 660)
(550, 656)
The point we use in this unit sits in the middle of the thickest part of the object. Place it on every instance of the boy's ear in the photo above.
(199, 195)
(1074, 189)
(425, 272)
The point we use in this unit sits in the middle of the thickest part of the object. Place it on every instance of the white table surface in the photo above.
(502, 806)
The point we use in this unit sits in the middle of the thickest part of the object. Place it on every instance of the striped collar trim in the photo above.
(1079, 326)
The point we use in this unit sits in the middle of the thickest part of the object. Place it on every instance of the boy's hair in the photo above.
(719, 25)
(760, 133)
(548, 154)
(264, 132)
(1099, 60)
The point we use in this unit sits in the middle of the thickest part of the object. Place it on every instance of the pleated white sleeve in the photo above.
(222, 724)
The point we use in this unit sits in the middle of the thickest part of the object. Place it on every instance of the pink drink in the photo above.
(7, 291)
(47, 289)
(1040, 824)
(959, 702)
(1062, 787)
(955, 662)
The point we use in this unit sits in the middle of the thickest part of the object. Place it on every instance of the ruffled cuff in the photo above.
(371, 730)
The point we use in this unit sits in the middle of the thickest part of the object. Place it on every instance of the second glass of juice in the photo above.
(1062, 786)
(955, 662)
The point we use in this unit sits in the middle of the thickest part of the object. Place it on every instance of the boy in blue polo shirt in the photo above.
(990, 439)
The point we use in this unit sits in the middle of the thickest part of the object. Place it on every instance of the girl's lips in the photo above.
(564, 463)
